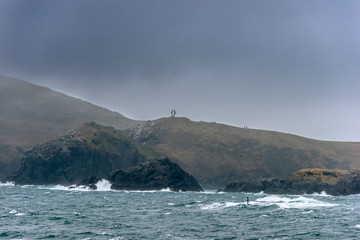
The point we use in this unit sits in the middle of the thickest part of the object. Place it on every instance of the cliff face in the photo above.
(334, 182)
(92, 150)
(154, 175)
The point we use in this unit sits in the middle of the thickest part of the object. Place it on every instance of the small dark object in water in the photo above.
(247, 200)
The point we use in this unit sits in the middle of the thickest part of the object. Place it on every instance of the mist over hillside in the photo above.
(32, 114)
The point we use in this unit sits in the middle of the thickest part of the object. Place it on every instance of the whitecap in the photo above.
(357, 226)
(7, 183)
(148, 191)
(217, 205)
(13, 211)
(307, 212)
(322, 194)
(211, 192)
(288, 202)
(102, 185)
(259, 193)
(16, 213)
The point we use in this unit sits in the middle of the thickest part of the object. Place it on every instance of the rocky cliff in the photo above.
(91, 150)
(154, 175)
(334, 182)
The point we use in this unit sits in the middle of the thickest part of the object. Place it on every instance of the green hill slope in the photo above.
(216, 154)
(31, 114)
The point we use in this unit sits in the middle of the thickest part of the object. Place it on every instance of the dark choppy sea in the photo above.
(42, 212)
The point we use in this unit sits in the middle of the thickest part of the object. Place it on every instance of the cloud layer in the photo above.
(277, 65)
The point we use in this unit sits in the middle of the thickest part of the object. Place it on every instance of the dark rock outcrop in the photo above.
(334, 182)
(91, 150)
(154, 175)
(89, 182)
(348, 184)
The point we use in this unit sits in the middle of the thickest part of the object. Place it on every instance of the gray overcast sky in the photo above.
(289, 66)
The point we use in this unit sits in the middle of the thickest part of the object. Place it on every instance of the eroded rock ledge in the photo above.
(334, 182)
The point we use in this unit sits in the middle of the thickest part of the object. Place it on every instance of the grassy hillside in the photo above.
(31, 114)
(216, 154)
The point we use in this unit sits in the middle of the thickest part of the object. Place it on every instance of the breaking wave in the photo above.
(289, 202)
(282, 202)
(102, 185)
(7, 184)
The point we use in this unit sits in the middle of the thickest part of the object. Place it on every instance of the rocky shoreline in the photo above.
(305, 181)
(93, 152)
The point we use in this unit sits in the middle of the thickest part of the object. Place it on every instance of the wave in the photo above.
(7, 184)
(102, 185)
(299, 202)
(322, 194)
(16, 213)
(288, 202)
(148, 191)
(259, 193)
(217, 205)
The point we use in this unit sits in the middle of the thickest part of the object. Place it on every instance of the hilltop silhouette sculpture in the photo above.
(173, 113)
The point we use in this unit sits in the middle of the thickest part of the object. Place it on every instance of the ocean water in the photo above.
(42, 212)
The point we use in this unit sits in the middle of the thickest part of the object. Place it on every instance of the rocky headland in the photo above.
(91, 150)
(334, 182)
(154, 175)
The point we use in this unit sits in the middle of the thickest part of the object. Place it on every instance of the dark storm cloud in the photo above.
(152, 38)
(287, 59)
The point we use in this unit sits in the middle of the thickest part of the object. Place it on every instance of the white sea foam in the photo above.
(7, 184)
(288, 202)
(357, 226)
(259, 193)
(211, 192)
(16, 213)
(322, 194)
(216, 205)
(148, 191)
(102, 185)
(13, 211)
(165, 190)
